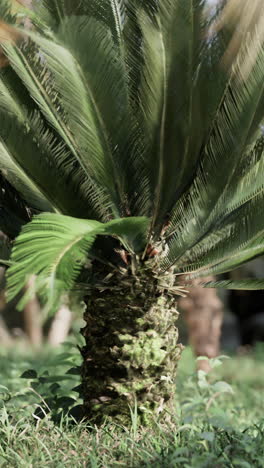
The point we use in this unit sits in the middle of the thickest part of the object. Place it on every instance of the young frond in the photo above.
(55, 248)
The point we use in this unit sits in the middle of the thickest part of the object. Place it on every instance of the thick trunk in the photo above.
(131, 351)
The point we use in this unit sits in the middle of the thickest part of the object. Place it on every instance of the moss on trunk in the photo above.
(131, 350)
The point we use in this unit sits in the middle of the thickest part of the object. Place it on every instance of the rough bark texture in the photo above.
(203, 312)
(131, 351)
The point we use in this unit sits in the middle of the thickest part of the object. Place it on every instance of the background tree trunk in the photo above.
(32, 318)
(5, 337)
(60, 326)
(203, 313)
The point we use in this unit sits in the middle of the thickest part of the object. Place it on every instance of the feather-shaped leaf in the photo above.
(40, 82)
(55, 248)
(246, 284)
(23, 184)
(252, 249)
(13, 209)
(46, 160)
(166, 95)
(71, 106)
(241, 228)
(203, 207)
(104, 64)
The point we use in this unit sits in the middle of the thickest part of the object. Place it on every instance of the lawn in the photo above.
(218, 421)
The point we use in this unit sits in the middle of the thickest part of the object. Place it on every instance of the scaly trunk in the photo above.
(131, 352)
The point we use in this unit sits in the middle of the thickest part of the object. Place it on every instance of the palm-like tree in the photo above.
(146, 158)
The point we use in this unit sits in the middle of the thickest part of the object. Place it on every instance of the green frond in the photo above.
(13, 210)
(23, 184)
(56, 247)
(46, 160)
(239, 230)
(246, 284)
(235, 259)
(72, 103)
(170, 67)
(217, 187)
(111, 12)
(124, 108)
(103, 73)
(109, 149)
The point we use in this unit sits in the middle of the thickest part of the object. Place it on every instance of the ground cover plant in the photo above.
(145, 159)
(218, 425)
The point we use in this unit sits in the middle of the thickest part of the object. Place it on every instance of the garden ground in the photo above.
(218, 420)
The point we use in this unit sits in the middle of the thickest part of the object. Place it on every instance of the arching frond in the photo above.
(167, 97)
(44, 159)
(246, 284)
(250, 250)
(239, 230)
(204, 205)
(72, 103)
(13, 209)
(55, 248)
(23, 184)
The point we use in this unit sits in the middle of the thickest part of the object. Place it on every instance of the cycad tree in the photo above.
(128, 156)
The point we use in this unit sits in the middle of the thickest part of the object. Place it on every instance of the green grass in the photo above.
(218, 421)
